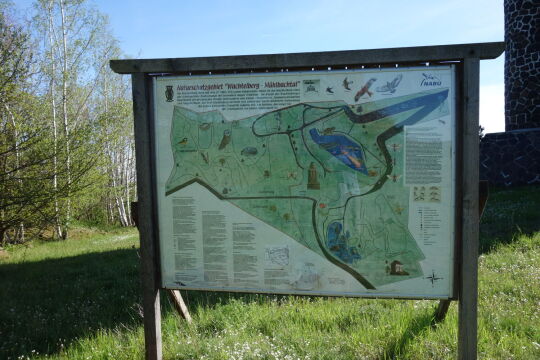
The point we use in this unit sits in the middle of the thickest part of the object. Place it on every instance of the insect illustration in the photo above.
(393, 177)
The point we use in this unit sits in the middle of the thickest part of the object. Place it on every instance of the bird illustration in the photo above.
(183, 142)
(428, 77)
(329, 90)
(390, 86)
(346, 84)
(205, 126)
(329, 130)
(365, 89)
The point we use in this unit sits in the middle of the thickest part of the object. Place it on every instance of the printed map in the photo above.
(327, 174)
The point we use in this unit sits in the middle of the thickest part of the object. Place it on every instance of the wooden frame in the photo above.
(467, 59)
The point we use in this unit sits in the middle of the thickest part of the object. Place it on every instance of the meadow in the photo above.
(79, 299)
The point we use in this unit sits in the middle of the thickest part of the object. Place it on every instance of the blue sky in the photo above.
(189, 28)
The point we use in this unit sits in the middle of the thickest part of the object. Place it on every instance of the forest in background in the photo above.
(66, 131)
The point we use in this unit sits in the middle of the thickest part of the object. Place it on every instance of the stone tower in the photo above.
(313, 181)
(522, 64)
(513, 157)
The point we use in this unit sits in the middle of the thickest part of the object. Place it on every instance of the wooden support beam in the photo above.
(468, 286)
(174, 295)
(441, 311)
(179, 304)
(483, 194)
(310, 59)
(141, 87)
(444, 305)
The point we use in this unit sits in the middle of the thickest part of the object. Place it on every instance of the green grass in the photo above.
(509, 213)
(79, 299)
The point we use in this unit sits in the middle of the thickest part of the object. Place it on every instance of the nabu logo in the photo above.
(430, 80)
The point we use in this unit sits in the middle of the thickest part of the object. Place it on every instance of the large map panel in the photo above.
(331, 183)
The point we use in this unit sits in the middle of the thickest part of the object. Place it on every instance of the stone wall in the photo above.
(522, 64)
(511, 158)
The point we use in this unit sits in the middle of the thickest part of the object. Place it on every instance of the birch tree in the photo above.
(119, 164)
(76, 47)
(24, 142)
(66, 133)
(114, 108)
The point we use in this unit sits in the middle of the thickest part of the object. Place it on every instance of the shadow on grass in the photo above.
(509, 212)
(47, 304)
(415, 328)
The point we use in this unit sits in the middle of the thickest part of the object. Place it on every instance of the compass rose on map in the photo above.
(433, 278)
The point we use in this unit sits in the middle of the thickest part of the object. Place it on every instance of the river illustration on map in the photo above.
(327, 174)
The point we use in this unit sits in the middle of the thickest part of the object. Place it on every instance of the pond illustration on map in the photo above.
(327, 174)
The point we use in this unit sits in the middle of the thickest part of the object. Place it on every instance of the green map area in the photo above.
(328, 174)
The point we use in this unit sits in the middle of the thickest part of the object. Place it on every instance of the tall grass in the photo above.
(79, 299)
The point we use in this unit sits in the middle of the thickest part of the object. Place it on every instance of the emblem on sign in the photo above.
(311, 86)
(169, 93)
(430, 80)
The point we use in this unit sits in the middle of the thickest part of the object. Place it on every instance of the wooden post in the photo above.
(175, 295)
(468, 285)
(441, 311)
(179, 304)
(141, 88)
(444, 305)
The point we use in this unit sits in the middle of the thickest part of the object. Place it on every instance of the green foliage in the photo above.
(24, 144)
(66, 140)
(79, 299)
(24, 180)
(15, 54)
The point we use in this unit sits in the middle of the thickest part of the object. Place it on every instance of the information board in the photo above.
(335, 183)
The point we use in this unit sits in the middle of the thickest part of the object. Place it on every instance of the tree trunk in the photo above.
(110, 215)
(127, 194)
(57, 222)
(65, 118)
(2, 239)
(19, 235)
